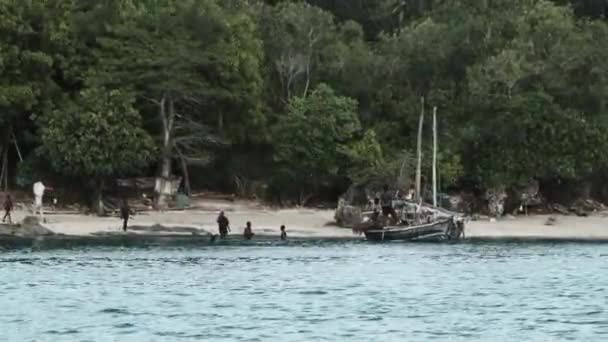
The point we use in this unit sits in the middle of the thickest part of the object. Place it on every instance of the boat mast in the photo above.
(435, 156)
(419, 152)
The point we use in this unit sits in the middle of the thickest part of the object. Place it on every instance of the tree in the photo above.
(187, 58)
(97, 136)
(533, 138)
(32, 40)
(527, 88)
(312, 138)
(300, 41)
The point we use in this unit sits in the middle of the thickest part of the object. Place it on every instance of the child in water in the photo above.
(283, 233)
(248, 232)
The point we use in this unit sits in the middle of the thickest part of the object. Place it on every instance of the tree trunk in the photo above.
(5, 162)
(185, 173)
(311, 42)
(167, 116)
(98, 197)
(220, 122)
(304, 198)
(17, 146)
(307, 80)
(4, 171)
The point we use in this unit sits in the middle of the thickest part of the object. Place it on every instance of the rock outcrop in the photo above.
(30, 227)
(347, 215)
(496, 198)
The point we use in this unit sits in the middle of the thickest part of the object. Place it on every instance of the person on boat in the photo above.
(387, 204)
(248, 232)
(125, 213)
(223, 225)
(8, 207)
(283, 233)
(377, 209)
(410, 194)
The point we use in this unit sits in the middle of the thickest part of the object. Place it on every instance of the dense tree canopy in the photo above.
(305, 97)
(97, 136)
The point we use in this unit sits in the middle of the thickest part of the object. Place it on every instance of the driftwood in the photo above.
(558, 208)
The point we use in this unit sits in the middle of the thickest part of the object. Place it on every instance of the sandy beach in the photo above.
(312, 223)
(303, 223)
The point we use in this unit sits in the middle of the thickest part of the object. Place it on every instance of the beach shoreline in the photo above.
(301, 223)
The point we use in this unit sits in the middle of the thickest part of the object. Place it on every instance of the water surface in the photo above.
(308, 292)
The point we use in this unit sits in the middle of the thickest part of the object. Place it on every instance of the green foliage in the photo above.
(203, 57)
(533, 138)
(329, 91)
(312, 137)
(97, 135)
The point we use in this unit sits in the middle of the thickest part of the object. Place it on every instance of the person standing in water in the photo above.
(223, 225)
(283, 233)
(248, 232)
(125, 212)
(8, 207)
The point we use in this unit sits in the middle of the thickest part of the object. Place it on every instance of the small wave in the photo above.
(27, 261)
(313, 293)
(180, 334)
(62, 332)
(114, 311)
(587, 322)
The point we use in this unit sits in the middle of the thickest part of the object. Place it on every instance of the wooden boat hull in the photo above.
(444, 230)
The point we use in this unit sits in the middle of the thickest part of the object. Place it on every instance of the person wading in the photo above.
(283, 233)
(125, 212)
(248, 232)
(8, 207)
(223, 225)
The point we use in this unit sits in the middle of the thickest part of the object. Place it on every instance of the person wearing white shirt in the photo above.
(38, 194)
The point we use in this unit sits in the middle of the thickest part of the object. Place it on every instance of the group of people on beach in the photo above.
(126, 213)
(224, 228)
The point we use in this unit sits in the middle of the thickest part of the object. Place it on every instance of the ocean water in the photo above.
(308, 292)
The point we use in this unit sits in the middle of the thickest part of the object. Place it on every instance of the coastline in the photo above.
(195, 227)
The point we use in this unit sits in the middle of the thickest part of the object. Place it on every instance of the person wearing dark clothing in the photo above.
(8, 207)
(223, 225)
(283, 233)
(125, 213)
(387, 204)
(248, 232)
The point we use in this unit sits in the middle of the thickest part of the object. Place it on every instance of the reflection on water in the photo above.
(306, 291)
